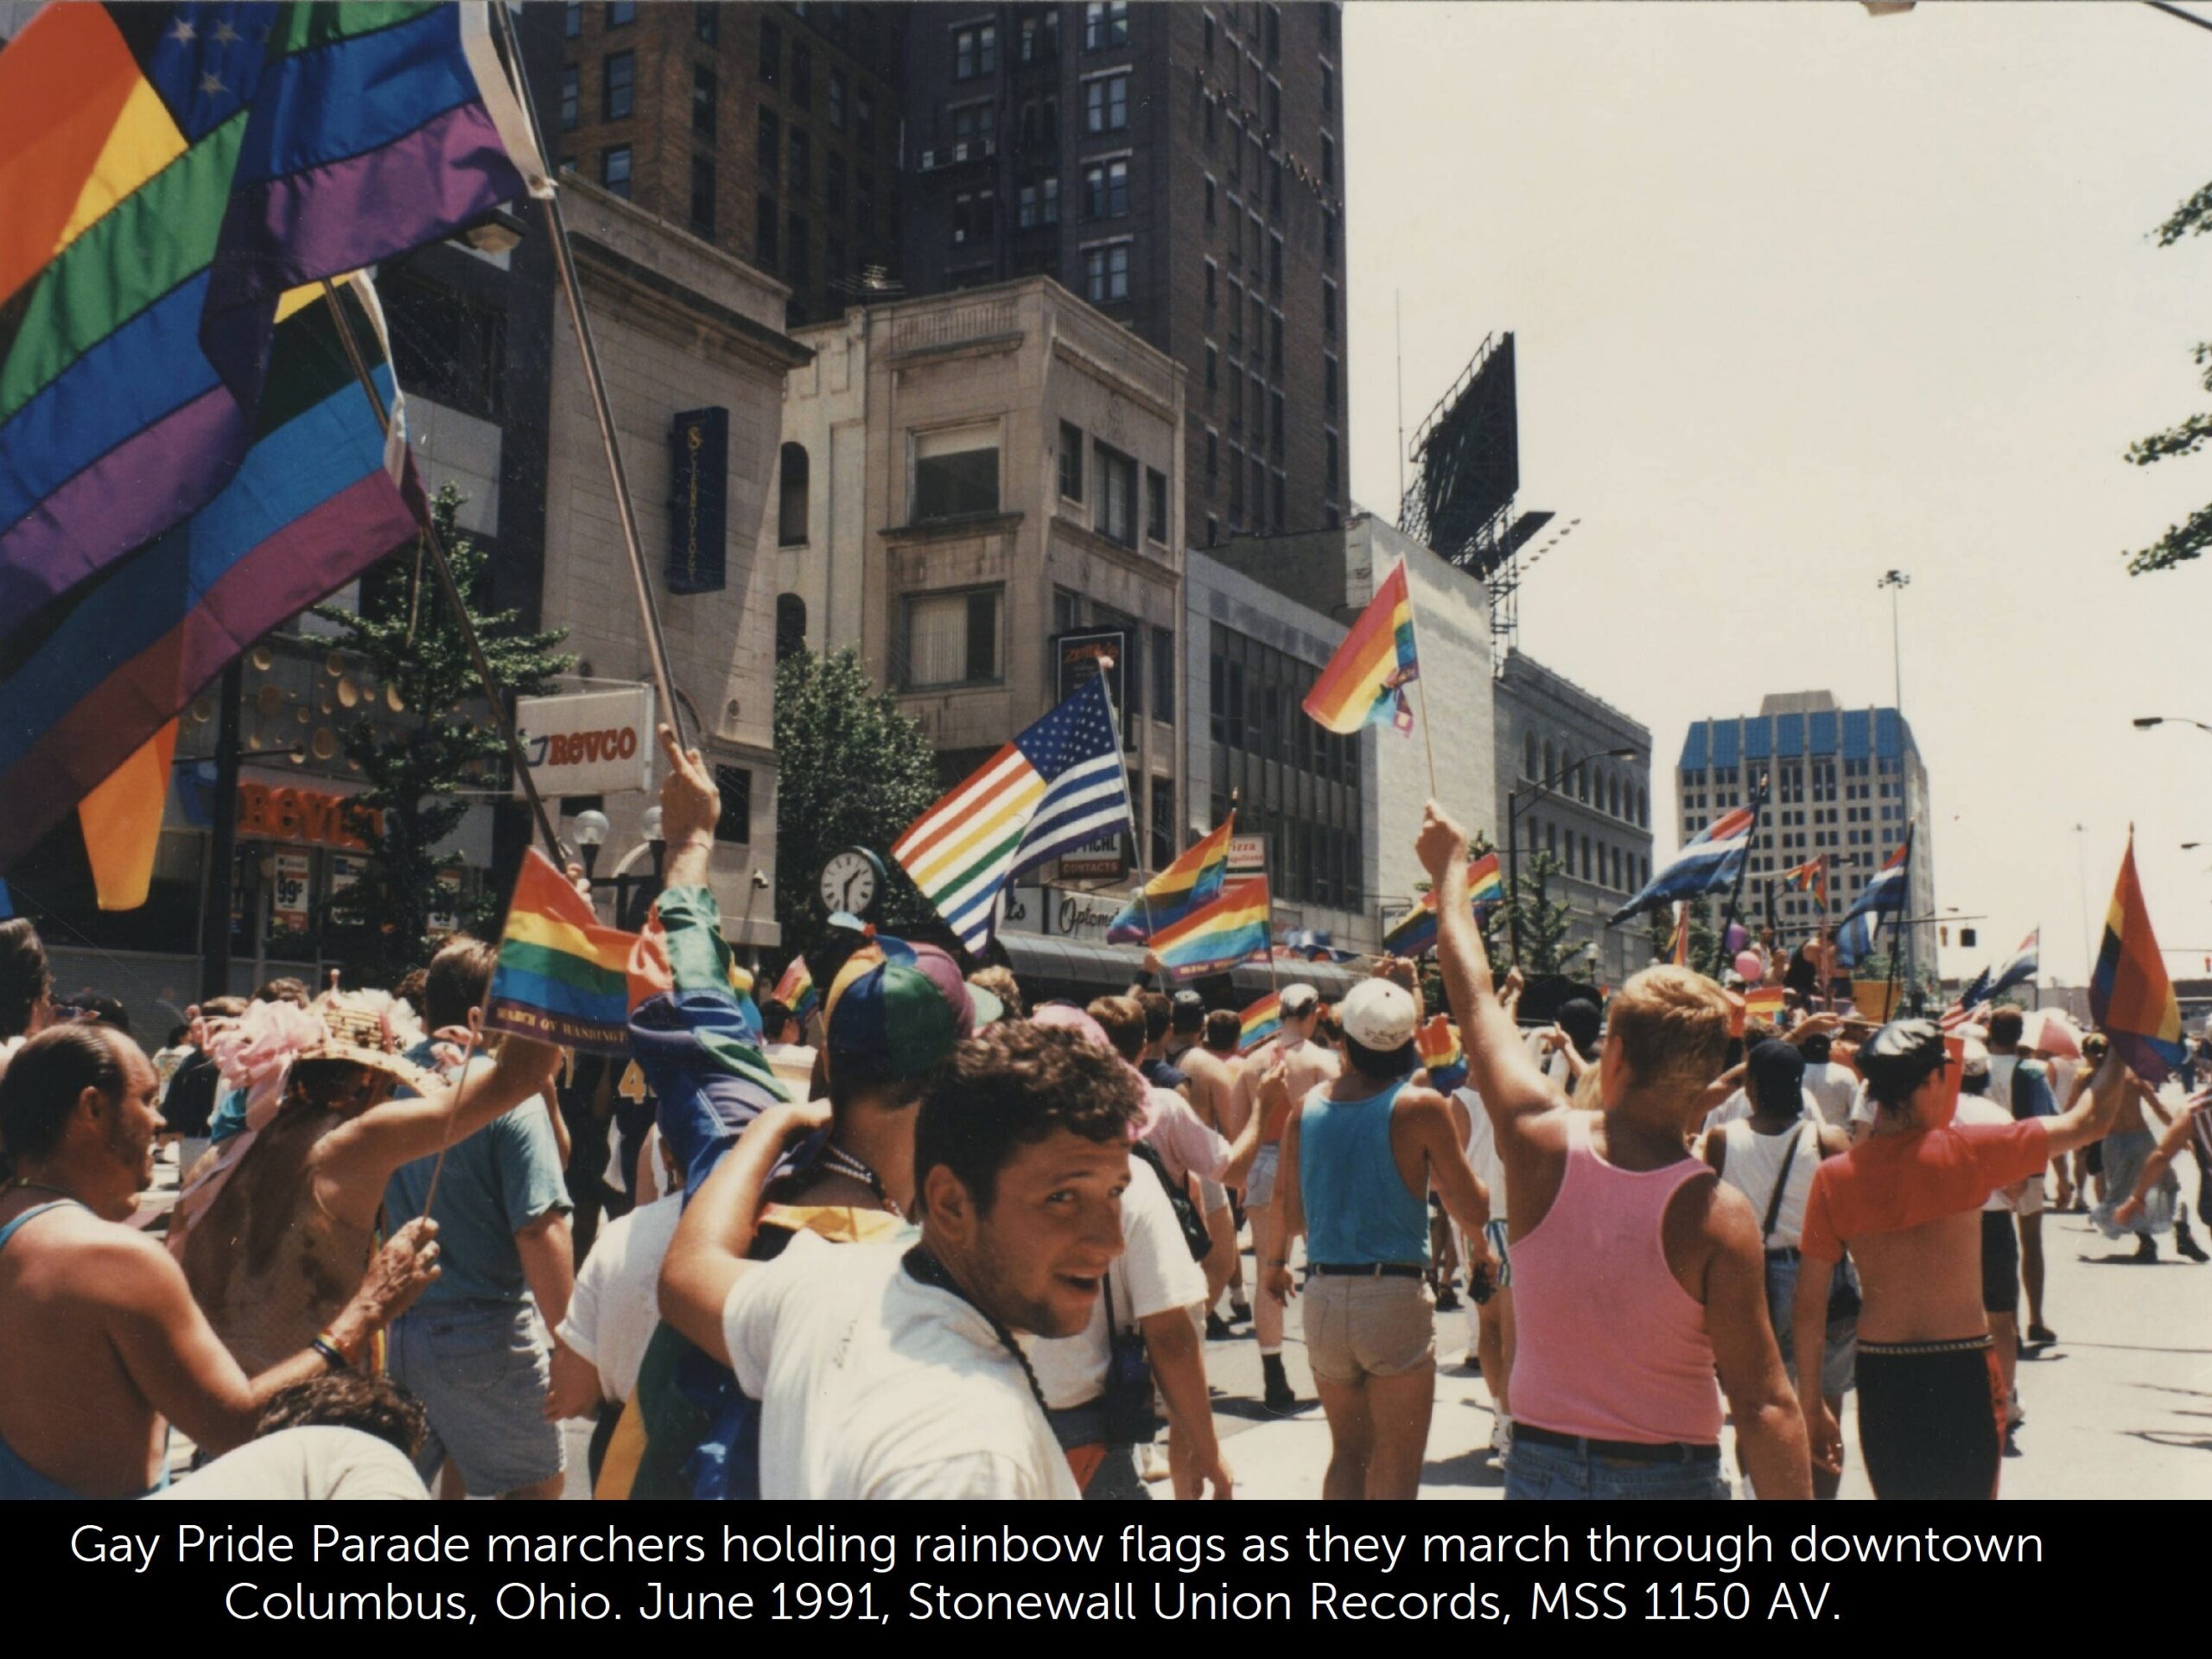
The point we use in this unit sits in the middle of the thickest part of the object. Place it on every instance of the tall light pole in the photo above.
(1897, 581)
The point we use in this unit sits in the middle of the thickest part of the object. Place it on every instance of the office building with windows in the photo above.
(964, 480)
(1846, 782)
(771, 131)
(1180, 167)
(1566, 792)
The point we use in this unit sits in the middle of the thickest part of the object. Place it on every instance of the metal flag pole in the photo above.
(1421, 689)
(1904, 911)
(452, 591)
(1736, 891)
(1106, 665)
(564, 260)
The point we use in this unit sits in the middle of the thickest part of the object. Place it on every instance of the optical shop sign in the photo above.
(588, 743)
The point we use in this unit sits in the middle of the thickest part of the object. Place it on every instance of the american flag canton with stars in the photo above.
(1074, 750)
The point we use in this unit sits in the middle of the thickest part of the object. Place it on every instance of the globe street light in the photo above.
(592, 826)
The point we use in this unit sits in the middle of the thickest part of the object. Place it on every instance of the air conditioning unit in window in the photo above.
(960, 151)
(929, 160)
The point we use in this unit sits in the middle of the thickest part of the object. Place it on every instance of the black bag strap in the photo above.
(1781, 1185)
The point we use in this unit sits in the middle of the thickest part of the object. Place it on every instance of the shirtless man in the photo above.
(1296, 1066)
(1207, 1082)
(1906, 1202)
(282, 1240)
(107, 1346)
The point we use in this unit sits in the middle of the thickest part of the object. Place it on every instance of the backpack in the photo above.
(1178, 1199)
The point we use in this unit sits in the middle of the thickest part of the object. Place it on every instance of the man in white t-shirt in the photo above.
(1832, 1085)
(885, 1372)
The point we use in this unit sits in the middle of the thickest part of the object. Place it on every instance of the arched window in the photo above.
(1550, 760)
(790, 508)
(1528, 756)
(790, 621)
(1582, 782)
(1613, 796)
(1643, 809)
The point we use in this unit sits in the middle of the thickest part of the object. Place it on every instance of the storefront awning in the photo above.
(1058, 963)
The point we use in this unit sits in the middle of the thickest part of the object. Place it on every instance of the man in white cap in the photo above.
(1359, 1157)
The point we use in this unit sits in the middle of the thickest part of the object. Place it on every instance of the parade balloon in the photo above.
(1749, 965)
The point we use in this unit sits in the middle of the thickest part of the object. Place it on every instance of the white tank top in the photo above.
(1753, 1162)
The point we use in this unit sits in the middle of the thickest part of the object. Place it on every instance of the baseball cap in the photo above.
(1377, 1014)
(1297, 1000)
(1775, 1072)
(895, 1010)
(1186, 1010)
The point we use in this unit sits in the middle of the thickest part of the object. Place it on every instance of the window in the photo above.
(1328, 236)
(621, 70)
(791, 626)
(1040, 204)
(1273, 20)
(1329, 385)
(1235, 148)
(1070, 462)
(796, 244)
(1274, 266)
(1208, 37)
(1275, 440)
(765, 224)
(1213, 273)
(444, 347)
(1275, 105)
(975, 52)
(1105, 26)
(864, 118)
(1213, 121)
(621, 12)
(1329, 449)
(614, 170)
(802, 86)
(864, 203)
(1328, 308)
(835, 263)
(771, 50)
(1115, 518)
(1163, 822)
(802, 176)
(1040, 125)
(1209, 202)
(1213, 454)
(974, 124)
(1328, 161)
(833, 183)
(1213, 367)
(1235, 484)
(1328, 90)
(1236, 312)
(1274, 184)
(768, 149)
(953, 638)
(790, 501)
(1259, 487)
(707, 23)
(1040, 36)
(955, 473)
(1213, 531)
(734, 785)
(837, 99)
(1281, 489)
(975, 217)
(569, 98)
(1275, 333)
(1163, 676)
(572, 21)
(1155, 513)
(702, 197)
(1106, 273)
(1106, 104)
(702, 100)
(1106, 190)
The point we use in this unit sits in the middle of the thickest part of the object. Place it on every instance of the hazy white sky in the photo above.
(1800, 296)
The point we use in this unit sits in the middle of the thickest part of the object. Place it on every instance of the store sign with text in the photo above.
(317, 817)
(589, 743)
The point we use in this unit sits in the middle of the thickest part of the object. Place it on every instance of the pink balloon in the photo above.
(1749, 964)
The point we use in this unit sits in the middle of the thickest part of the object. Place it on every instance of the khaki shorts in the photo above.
(1358, 1328)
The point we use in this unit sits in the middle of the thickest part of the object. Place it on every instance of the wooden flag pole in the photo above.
(1421, 688)
(451, 588)
(1128, 801)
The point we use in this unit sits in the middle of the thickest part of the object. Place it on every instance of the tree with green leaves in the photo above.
(440, 741)
(1539, 921)
(852, 770)
(1704, 936)
(2189, 539)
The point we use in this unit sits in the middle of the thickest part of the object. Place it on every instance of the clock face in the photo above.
(849, 881)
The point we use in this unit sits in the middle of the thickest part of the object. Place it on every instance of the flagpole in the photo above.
(564, 260)
(1736, 891)
(451, 588)
(1904, 909)
(1128, 801)
(1421, 689)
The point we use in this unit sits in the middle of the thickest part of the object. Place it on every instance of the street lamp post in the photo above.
(1513, 835)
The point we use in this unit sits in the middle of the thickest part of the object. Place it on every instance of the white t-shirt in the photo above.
(1482, 1151)
(616, 1304)
(1832, 1088)
(1738, 1107)
(873, 1385)
(1979, 1108)
(1154, 1273)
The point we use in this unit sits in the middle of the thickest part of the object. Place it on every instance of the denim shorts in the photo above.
(482, 1369)
(1840, 1346)
(1553, 1471)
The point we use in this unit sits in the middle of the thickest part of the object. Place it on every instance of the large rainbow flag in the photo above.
(1362, 685)
(1191, 881)
(562, 977)
(1259, 1023)
(2131, 998)
(1438, 1044)
(1415, 932)
(1215, 938)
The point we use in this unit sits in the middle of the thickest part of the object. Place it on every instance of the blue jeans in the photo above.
(1553, 1471)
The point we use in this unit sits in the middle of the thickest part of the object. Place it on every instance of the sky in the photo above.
(1800, 296)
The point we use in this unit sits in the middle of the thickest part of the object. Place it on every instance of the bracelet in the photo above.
(332, 1354)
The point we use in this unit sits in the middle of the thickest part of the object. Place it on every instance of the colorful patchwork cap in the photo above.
(895, 1009)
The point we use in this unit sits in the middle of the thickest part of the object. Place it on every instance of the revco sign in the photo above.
(592, 743)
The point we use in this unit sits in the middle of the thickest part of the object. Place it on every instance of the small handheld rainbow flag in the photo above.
(1811, 876)
(795, 990)
(1259, 1023)
(1191, 881)
(1679, 952)
(1415, 932)
(1215, 938)
(1362, 685)
(1763, 1002)
(562, 977)
(2130, 996)
(1438, 1044)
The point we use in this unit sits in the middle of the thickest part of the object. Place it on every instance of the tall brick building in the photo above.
(1180, 167)
(771, 131)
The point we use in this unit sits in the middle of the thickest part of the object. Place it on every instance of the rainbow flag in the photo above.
(1765, 1002)
(1415, 932)
(1362, 685)
(562, 977)
(1259, 1023)
(795, 990)
(1679, 951)
(2131, 998)
(1216, 937)
(1811, 876)
(1437, 1044)
(1191, 881)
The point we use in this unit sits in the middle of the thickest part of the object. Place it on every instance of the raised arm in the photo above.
(2155, 1165)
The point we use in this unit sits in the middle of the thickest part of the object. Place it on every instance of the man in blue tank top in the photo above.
(1359, 1158)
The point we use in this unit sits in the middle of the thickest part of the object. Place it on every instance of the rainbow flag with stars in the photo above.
(2131, 998)
(562, 977)
(1215, 938)
(1363, 684)
(1438, 1044)
(1191, 881)
(1259, 1023)
(1415, 932)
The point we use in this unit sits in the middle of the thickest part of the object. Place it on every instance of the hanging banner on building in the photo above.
(288, 899)
(589, 743)
(698, 501)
